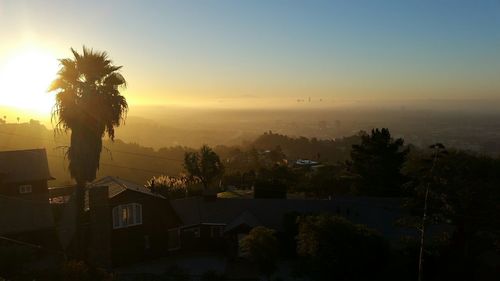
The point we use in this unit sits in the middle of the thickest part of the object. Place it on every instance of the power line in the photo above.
(112, 151)
(102, 164)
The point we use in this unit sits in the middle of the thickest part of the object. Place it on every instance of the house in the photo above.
(24, 174)
(25, 213)
(220, 224)
(126, 222)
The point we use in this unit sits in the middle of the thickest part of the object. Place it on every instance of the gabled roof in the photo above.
(24, 166)
(117, 185)
(246, 218)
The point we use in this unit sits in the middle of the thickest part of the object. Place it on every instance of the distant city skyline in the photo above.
(196, 52)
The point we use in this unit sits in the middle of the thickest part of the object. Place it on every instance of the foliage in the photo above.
(327, 150)
(89, 103)
(261, 246)
(173, 187)
(463, 191)
(288, 237)
(274, 182)
(204, 166)
(378, 161)
(334, 248)
(328, 181)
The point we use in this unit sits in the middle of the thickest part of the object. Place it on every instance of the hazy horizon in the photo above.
(267, 54)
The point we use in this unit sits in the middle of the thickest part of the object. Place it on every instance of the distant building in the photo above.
(305, 163)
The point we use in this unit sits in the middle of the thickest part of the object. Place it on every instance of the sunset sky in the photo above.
(206, 51)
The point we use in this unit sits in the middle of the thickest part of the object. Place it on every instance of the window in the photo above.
(25, 188)
(127, 215)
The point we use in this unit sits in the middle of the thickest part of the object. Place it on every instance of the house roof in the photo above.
(117, 185)
(21, 215)
(24, 165)
(246, 218)
(377, 213)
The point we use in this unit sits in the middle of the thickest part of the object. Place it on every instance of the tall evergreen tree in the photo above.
(378, 161)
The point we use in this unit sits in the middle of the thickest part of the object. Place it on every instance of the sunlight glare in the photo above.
(25, 78)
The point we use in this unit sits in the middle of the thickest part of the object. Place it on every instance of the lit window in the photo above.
(26, 188)
(127, 215)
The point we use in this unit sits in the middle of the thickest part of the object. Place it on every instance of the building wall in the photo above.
(203, 237)
(147, 240)
(39, 190)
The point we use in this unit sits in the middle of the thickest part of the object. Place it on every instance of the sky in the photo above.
(276, 51)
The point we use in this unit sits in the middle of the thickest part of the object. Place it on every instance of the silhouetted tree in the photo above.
(89, 103)
(204, 166)
(261, 246)
(328, 180)
(462, 190)
(378, 161)
(333, 248)
(274, 182)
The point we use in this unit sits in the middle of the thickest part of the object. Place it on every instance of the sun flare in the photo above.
(25, 78)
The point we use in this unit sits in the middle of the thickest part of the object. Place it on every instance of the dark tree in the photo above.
(460, 189)
(90, 105)
(273, 182)
(261, 246)
(204, 166)
(333, 248)
(378, 161)
(329, 180)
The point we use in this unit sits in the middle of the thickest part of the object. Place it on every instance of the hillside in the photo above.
(139, 163)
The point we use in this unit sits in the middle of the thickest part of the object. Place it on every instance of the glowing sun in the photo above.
(25, 78)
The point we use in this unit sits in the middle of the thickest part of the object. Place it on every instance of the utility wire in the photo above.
(112, 151)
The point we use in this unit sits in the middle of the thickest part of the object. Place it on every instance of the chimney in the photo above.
(99, 248)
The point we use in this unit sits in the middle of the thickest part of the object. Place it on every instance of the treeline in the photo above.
(138, 163)
(325, 150)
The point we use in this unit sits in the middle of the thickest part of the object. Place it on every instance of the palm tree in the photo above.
(90, 105)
